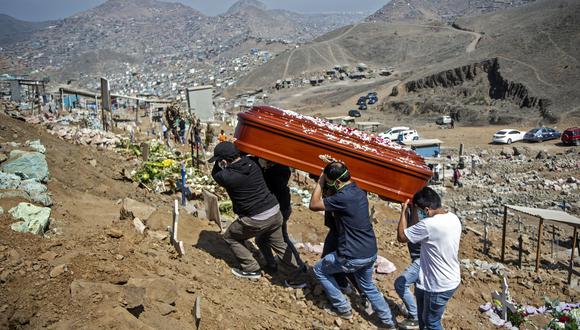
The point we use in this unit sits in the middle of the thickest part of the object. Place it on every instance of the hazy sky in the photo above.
(39, 10)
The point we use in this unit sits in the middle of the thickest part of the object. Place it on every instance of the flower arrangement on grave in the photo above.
(564, 316)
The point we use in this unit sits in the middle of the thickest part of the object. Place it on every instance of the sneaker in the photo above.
(248, 275)
(409, 324)
(334, 312)
(387, 327)
(295, 284)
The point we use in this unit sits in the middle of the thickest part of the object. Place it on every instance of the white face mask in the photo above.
(222, 164)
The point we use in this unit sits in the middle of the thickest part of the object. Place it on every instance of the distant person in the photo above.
(182, 130)
(452, 123)
(197, 135)
(257, 210)
(357, 244)
(439, 234)
(209, 135)
(456, 177)
(222, 137)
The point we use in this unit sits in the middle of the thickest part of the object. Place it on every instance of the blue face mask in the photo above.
(422, 214)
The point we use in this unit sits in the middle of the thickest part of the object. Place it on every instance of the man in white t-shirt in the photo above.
(439, 234)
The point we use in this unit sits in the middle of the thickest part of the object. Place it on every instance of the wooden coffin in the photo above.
(376, 165)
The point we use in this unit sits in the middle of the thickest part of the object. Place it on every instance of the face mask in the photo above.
(333, 184)
(422, 214)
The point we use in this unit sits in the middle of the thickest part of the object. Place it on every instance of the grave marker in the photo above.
(178, 245)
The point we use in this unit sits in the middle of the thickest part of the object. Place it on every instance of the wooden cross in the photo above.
(178, 245)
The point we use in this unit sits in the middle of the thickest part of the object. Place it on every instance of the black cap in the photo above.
(224, 150)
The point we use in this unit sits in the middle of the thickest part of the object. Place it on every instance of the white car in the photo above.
(508, 136)
(407, 135)
(393, 133)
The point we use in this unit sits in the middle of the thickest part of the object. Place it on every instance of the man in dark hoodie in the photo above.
(257, 209)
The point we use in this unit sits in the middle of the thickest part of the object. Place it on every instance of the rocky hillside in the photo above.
(533, 75)
(13, 30)
(152, 29)
(438, 10)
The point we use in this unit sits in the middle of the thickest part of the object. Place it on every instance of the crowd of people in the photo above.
(261, 200)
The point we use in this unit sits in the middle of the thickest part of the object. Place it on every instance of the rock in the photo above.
(139, 226)
(133, 209)
(115, 233)
(37, 191)
(28, 165)
(120, 318)
(36, 146)
(48, 256)
(94, 292)
(165, 309)
(542, 155)
(338, 322)
(34, 219)
(157, 289)
(158, 235)
(3, 157)
(4, 276)
(58, 270)
(1, 211)
(93, 162)
(9, 181)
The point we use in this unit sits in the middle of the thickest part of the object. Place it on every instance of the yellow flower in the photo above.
(168, 162)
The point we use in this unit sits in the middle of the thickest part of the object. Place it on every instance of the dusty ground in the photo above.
(87, 204)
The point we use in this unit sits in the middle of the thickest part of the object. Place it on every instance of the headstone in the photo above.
(178, 245)
(212, 210)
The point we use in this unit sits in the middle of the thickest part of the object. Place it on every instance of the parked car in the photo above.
(571, 136)
(541, 134)
(407, 135)
(362, 100)
(393, 133)
(354, 113)
(372, 98)
(362, 106)
(443, 120)
(508, 136)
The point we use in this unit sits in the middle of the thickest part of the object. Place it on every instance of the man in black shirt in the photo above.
(357, 245)
(277, 177)
(257, 209)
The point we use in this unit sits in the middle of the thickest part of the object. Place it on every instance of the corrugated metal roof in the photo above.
(549, 215)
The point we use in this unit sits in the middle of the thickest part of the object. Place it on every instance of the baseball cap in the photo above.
(224, 150)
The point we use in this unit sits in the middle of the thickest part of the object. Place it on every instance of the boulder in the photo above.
(132, 209)
(9, 181)
(120, 318)
(36, 146)
(28, 165)
(37, 191)
(157, 289)
(33, 219)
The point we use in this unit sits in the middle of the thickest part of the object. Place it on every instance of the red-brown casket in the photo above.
(299, 141)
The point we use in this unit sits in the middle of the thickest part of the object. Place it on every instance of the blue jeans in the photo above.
(403, 283)
(431, 306)
(363, 272)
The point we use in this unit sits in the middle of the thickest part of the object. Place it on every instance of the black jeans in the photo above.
(267, 252)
